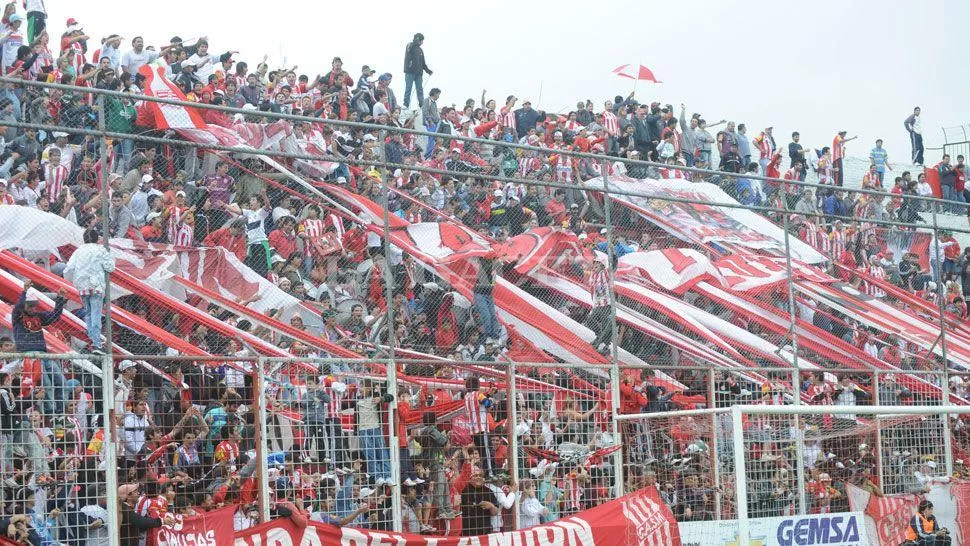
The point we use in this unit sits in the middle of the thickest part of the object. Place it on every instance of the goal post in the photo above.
(899, 448)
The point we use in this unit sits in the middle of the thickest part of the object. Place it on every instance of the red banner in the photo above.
(639, 518)
(886, 517)
(960, 495)
(210, 529)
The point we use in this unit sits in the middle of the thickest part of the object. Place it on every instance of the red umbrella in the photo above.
(636, 72)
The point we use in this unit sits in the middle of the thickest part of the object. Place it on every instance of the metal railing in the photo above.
(658, 355)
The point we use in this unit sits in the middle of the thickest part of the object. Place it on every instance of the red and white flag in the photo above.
(168, 116)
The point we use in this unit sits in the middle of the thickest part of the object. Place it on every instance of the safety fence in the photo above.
(408, 330)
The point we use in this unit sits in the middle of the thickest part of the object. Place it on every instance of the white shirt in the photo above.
(31, 195)
(530, 512)
(132, 60)
(67, 155)
(12, 40)
(917, 125)
(203, 66)
(87, 266)
(254, 225)
(36, 5)
(139, 204)
(113, 54)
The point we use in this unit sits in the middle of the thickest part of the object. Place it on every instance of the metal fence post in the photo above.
(715, 443)
(262, 445)
(110, 448)
(107, 361)
(796, 377)
(615, 345)
(394, 449)
(937, 269)
(880, 474)
(740, 485)
(513, 419)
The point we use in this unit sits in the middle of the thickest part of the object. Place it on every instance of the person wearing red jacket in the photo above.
(283, 238)
(355, 243)
(231, 237)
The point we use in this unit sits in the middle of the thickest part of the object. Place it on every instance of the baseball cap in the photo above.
(456, 150)
(15, 18)
(126, 490)
(145, 179)
(59, 134)
(152, 215)
(180, 194)
(125, 365)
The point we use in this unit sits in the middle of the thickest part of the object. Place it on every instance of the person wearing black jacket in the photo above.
(414, 69)
(133, 525)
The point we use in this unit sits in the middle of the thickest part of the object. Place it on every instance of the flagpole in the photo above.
(636, 77)
(539, 100)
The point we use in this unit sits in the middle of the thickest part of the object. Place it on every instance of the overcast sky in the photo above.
(815, 67)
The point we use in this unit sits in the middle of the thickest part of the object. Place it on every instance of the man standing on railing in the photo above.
(915, 128)
(86, 269)
(414, 69)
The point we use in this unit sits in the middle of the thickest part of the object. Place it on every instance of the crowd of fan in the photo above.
(191, 449)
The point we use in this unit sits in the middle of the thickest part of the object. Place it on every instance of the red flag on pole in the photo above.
(636, 72)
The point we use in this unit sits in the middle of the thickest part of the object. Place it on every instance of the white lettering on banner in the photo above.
(170, 537)
(551, 536)
(278, 537)
(310, 537)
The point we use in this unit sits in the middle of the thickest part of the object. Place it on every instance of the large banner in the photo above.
(702, 222)
(637, 519)
(846, 529)
(679, 269)
(887, 517)
(210, 529)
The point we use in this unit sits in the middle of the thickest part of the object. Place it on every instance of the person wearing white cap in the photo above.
(68, 152)
(139, 200)
(75, 40)
(86, 270)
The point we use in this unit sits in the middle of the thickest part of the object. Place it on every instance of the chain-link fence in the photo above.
(443, 334)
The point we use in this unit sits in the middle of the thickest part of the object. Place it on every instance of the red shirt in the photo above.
(556, 211)
(222, 237)
(838, 148)
(283, 244)
(355, 241)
